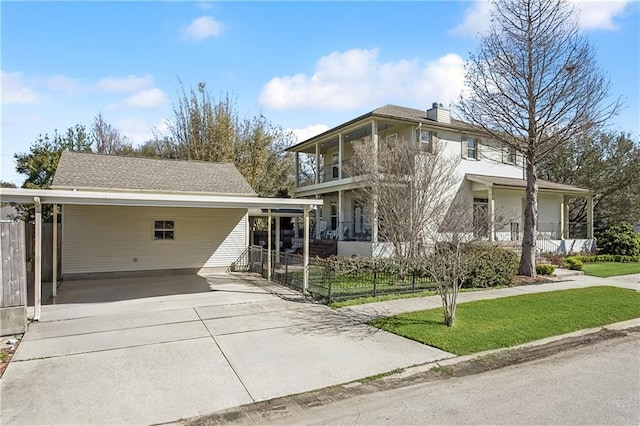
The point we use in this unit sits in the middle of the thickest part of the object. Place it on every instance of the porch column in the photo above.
(340, 217)
(492, 223)
(277, 240)
(340, 155)
(268, 244)
(562, 216)
(590, 216)
(297, 169)
(54, 269)
(374, 210)
(305, 254)
(295, 227)
(566, 217)
(317, 163)
(37, 300)
(319, 212)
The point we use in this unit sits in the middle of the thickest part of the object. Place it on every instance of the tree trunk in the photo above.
(528, 258)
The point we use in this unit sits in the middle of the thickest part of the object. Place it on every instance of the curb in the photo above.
(410, 371)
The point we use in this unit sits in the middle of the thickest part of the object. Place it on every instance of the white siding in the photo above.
(108, 238)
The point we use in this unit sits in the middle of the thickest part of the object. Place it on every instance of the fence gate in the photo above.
(13, 278)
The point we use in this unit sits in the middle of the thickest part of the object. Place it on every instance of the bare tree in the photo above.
(406, 188)
(456, 252)
(107, 139)
(533, 85)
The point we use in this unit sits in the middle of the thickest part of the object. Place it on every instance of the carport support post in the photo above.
(305, 254)
(37, 299)
(54, 268)
(277, 240)
(268, 244)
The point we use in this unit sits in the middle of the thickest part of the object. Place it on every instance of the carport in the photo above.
(40, 197)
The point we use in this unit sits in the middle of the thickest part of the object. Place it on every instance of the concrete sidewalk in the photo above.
(567, 280)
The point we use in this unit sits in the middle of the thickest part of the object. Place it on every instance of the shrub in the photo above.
(607, 258)
(554, 259)
(545, 269)
(620, 240)
(495, 266)
(573, 263)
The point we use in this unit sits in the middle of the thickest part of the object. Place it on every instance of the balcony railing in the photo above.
(327, 173)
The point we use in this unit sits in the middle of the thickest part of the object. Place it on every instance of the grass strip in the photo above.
(611, 269)
(510, 321)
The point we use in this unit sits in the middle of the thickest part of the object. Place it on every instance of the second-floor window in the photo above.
(425, 140)
(472, 148)
(335, 162)
(511, 155)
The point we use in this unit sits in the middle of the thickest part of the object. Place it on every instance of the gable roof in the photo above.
(100, 171)
(522, 183)
(397, 113)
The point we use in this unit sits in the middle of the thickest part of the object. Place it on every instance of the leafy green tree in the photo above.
(5, 184)
(207, 129)
(40, 163)
(608, 163)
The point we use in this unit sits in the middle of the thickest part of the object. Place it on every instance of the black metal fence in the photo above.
(324, 282)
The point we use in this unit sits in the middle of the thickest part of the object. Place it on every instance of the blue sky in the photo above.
(306, 66)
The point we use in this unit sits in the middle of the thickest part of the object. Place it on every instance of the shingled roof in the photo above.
(398, 113)
(110, 172)
(521, 183)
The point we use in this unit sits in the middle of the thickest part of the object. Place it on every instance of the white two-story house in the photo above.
(489, 174)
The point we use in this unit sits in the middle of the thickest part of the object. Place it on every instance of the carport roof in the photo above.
(80, 170)
(146, 199)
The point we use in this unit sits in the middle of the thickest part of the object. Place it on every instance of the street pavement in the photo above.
(591, 385)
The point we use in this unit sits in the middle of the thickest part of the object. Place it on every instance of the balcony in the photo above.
(326, 173)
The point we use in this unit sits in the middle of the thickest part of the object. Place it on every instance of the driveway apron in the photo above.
(194, 346)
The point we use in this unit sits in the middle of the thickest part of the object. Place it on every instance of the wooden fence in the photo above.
(13, 274)
(47, 252)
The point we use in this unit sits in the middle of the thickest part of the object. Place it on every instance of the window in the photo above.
(480, 217)
(163, 230)
(425, 137)
(511, 155)
(335, 160)
(472, 148)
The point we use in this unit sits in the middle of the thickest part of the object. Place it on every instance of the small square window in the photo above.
(163, 229)
(511, 155)
(472, 148)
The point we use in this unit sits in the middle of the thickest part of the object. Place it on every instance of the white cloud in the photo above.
(129, 84)
(139, 131)
(600, 15)
(476, 19)
(62, 83)
(202, 28)
(15, 90)
(356, 78)
(145, 99)
(309, 131)
(594, 15)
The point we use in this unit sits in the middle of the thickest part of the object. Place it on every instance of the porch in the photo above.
(498, 212)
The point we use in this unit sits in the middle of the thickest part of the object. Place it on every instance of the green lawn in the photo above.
(510, 321)
(610, 269)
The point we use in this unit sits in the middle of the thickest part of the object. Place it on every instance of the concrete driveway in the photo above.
(153, 350)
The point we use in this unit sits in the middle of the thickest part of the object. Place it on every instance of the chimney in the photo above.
(439, 113)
